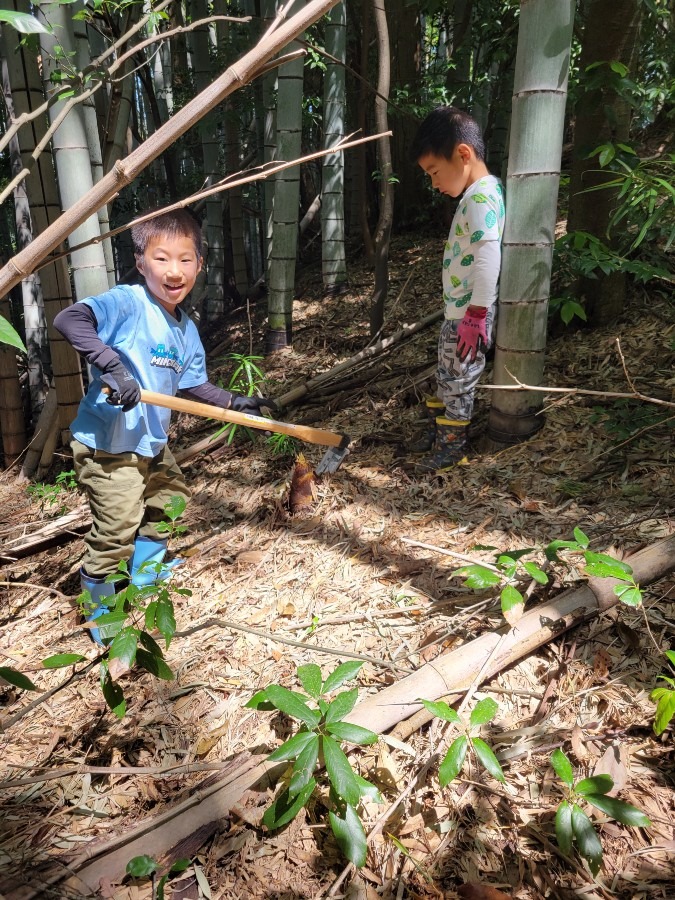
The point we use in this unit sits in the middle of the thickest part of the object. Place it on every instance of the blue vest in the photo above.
(162, 353)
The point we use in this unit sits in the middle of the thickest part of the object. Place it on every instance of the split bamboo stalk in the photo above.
(124, 171)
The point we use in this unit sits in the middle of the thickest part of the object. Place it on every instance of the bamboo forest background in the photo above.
(576, 103)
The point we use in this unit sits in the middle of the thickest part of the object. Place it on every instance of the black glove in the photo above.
(125, 390)
(251, 405)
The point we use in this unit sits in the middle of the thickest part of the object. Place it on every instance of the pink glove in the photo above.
(472, 333)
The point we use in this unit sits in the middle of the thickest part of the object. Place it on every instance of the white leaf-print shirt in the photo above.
(479, 217)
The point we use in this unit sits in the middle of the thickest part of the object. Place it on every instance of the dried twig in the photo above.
(520, 386)
(222, 623)
(442, 550)
(38, 587)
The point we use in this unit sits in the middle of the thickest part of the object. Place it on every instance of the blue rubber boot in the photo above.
(99, 589)
(147, 566)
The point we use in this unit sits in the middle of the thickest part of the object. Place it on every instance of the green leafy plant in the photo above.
(147, 867)
(664, 697)
(508, 570)
(47, 495)
(135, 612)
(245, 379)
(572, 825)
(579, 254)
(282, 445)
(453, 762)
(8, 334)
(510, 567)
(322, 731)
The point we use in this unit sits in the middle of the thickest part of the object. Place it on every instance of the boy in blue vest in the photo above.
(133, 337)
(449, 148)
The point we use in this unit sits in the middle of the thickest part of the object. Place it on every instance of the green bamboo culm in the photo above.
(533, 175)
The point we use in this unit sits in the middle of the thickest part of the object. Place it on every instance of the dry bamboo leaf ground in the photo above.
(351, 575)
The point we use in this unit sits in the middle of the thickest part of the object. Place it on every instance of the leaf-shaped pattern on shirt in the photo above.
(479, 198)
(467, 260)
(455, 281)
(490, 218)
(458, 230)
(476, 236)
(463, 300)
(446, 262)
(456, 249)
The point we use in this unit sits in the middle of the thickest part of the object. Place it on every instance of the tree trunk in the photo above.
(458, 81)
(404, 36)
(90, 119)
(235, 200)
(281, 271)
(333, 257)
(269, 96)
(71, 156)
(34, 322)
(361, 179)
(383, 231)
(602, 116)
(540, 90)
(12, 424)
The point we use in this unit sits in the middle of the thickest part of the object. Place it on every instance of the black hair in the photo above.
(178, 223)
(442, 130)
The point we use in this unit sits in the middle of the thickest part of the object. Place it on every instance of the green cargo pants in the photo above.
(127, 494)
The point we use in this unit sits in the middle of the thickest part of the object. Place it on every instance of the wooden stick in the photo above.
(301, 432)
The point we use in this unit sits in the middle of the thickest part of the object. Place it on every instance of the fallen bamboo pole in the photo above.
(452, 673)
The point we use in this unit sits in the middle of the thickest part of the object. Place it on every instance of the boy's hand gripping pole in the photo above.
(339, 443)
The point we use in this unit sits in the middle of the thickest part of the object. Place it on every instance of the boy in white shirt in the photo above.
(449, 148)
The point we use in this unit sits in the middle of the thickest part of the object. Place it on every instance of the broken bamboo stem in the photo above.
(380, 347)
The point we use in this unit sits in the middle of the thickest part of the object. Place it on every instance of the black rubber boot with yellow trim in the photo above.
(449, 448)
(424, 442)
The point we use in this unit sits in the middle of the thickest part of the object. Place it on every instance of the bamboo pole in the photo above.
(124, 171)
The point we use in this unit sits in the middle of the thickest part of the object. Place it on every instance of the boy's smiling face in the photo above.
(170, 265)
(449, 176)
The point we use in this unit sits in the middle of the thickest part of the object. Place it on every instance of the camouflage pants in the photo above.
(456, 381)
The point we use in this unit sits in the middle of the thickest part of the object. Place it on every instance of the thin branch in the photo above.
(38, 587)
(520, 386)
(223, 623)
(633, 437)
(8, 721)
(280, 17)
(155, 771)
(42, 109)
(365, 81)
(460, 556)
(74, 101)
(226, 184)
